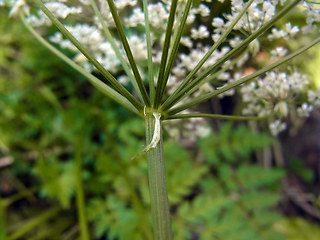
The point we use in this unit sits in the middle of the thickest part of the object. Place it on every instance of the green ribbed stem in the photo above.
(157, 186)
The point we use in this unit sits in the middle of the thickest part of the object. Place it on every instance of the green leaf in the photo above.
(182, 172)
(58, 179)
(254, 176)
(232, 144)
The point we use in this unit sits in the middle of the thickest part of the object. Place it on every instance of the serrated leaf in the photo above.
(59, 180)
(257, 201)
(232, 144)
(182, 172)
(255, 176)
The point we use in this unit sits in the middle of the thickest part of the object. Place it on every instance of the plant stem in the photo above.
(97, 83)
(122, 90)
(216, 116)
(175, 47)
(245, 79)
(79, 191)
(128, 51)
(157, 185)
(3, 209)
(34, 222)
(165, 52)
(149, 49)
(115, 48)
(177, 95)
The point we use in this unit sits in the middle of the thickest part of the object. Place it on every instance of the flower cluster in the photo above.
(276, 92)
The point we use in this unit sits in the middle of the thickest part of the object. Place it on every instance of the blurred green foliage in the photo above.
(49, 112)
(297, 229)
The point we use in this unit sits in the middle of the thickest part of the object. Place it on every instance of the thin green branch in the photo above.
(126, 46)
(124, 92)
(80, 196)
(215, 116)
(34, 222)
(175, 97)
(175, 27)
(165, 52)
(242, 80)
(175, 47)
(115, 48)
(101, 86)
(194, 86)
(149, 49)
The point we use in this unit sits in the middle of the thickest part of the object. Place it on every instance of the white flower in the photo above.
(60, 10)
(136, 18)
(272, 92)
(18, 5)
(305, 110)
(203, 10)
(217, 22)
(292, 30)
(186, 41)
(120, 4)
(201, 32)
(138, 47)
(314, 97)
(276, 127)
(278, 52)
(234, 42)
(281, 108)
(277, 34)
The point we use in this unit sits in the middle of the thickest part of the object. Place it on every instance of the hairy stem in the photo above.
(157, 185)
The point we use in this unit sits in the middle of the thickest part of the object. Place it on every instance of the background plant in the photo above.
(44, 167)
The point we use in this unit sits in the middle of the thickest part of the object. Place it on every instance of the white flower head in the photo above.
(17, 6)
(276, 127)
(200, 33)
(305, 110)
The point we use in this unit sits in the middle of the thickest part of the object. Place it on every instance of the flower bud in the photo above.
(281, 108)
